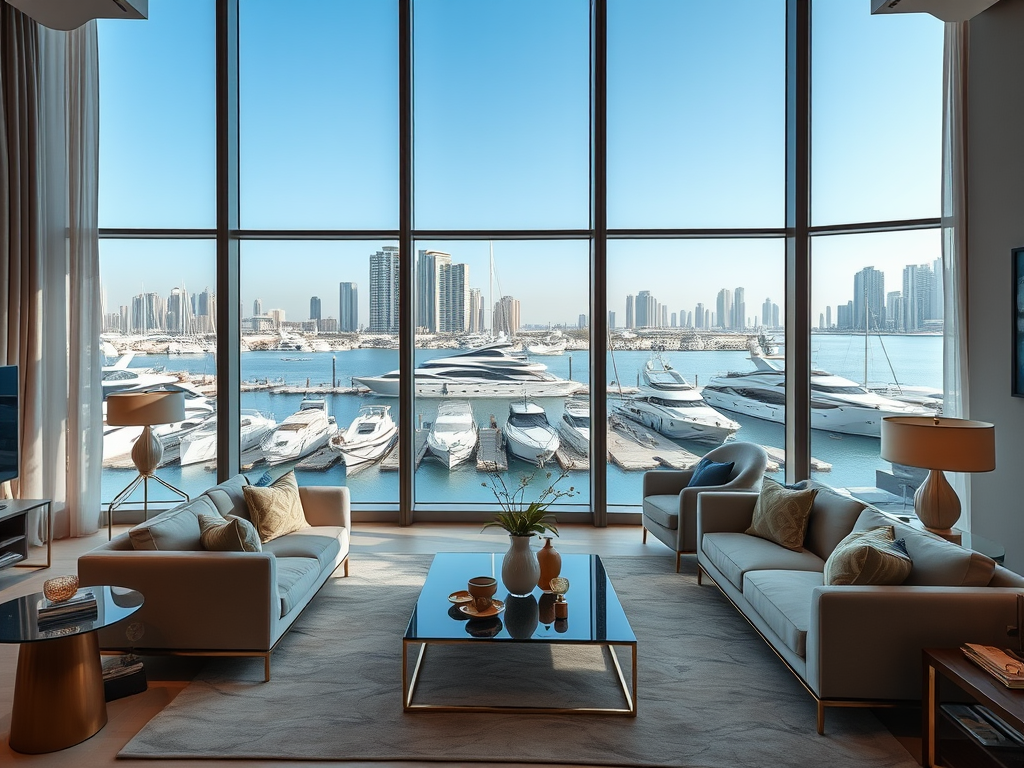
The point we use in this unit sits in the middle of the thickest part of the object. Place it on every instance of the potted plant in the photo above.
(520, 569)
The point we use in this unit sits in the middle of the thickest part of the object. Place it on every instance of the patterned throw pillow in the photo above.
(228, 534)
(276, 509)
(708, 473)
(781, 514)
(869, 557)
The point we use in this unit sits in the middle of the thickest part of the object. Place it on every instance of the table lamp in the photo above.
(936, 443)
(144, 409)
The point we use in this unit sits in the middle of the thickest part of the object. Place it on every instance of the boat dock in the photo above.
(390, 462)
(490, 451)
(633, 447)
(320, 460)
(777, 456)
(569, 459)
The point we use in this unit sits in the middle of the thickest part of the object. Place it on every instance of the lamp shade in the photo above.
(934, 442)
(141, 409)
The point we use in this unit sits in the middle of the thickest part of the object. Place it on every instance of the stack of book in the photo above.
(1004, 667)
(80, 607)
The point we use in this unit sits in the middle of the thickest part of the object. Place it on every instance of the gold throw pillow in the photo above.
(781, 514)
(228, 534)
(276, 509)
(868, 557)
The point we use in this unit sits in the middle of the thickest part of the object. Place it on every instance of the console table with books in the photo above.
(984, 734)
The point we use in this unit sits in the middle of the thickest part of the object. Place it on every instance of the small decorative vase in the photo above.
(60, 588)
(519, 568)
(550, 564)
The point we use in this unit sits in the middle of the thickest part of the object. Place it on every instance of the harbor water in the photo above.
(914, 360)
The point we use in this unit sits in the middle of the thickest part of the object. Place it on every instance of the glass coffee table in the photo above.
(595, 618)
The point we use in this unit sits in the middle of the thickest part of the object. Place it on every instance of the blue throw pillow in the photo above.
(264, 481)
(709, 472)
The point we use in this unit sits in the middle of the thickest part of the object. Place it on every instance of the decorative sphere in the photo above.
(60, 588)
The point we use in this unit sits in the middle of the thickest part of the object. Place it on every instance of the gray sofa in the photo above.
(853, 645)
(221, 603)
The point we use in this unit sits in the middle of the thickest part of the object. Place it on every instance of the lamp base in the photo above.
(936, 503)
(127, 491)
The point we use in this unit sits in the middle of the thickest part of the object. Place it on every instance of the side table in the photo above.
(58, 690)
(1006, 703)
(14, 532)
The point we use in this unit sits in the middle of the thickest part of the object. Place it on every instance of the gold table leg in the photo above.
(58, 694)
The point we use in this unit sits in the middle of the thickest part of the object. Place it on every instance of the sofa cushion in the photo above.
(937, 562)
(176, 530)
(323, 543)
(663, 509)
(230, 534)
(780, 514)
(708, 473)
(783, 600)
(735, 554)
(833, 516)
(295, 578)
(229, 498)
(868, 557)
(276, 510)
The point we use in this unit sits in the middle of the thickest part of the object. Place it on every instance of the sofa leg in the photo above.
(700, 573)
(645, 534)
(821, 719)
(346, 566)
(266, 668)
(678, 556)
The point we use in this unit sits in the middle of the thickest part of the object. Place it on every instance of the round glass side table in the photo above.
(58, 690)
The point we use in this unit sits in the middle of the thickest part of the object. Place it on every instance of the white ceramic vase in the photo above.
(519, 568)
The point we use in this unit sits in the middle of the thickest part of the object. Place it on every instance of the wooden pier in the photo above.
(777, 457)
(320, 460)
(390, 462)
(568, 458)
(633, 447)
(490, 451)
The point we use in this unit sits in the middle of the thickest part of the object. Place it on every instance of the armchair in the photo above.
(670, 507)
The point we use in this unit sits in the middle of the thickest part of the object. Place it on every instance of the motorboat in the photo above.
(838, 404)
(292, 342)
(528, 435)
(680, 414)
(453, 434)
(658, 373)
(494, 370)
(574, 426)
(553, 344)
(370, 435)
(118, 377)
(305, 431)
(200, 445)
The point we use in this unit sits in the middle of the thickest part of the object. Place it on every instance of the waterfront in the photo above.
(917, 361)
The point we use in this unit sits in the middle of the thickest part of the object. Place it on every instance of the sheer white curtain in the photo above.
(49, 255)
(954, 239)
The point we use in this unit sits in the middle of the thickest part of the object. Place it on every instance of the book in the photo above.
(1003, 667)
(986, 733)
(83, 598)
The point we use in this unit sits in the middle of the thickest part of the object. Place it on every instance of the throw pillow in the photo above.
(709, 472)
(868, 557)
(228, 534)
(781, 514)
(276, 509)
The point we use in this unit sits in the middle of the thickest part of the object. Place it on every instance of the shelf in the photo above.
(11, 540)
(9, 561)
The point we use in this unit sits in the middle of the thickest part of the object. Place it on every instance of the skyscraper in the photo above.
(257, 307)
(506, 316)
(918, 290)
(723, 309)
(766, 313)
(314, 309)
(581, 322)
(348, 307)
(869, 298)
(828, 316)
(428, 288)
(630, 322)
(476, 317)
(739, 309)
(776, 323)
(698, 316)
(453, 298)
(611, 319)
(645, 309)
(384, 290)
(894, 311)
(663, 316)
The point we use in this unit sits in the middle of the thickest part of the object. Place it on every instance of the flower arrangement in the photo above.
(522, 518)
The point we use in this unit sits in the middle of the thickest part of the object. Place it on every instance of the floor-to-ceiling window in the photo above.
(515, 174)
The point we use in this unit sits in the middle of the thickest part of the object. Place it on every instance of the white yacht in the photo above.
(118, 377)
(574, 426)
(681, 414)
(453, 434)
(292, 342)
(302, 433)
(553, 344)
(370, 435)
(837, 404)
(490, 371)
(659, 374)
(528, 435)
(200, 445)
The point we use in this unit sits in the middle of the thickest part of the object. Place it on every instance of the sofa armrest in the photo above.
(724, 512)
(326, 505)
(193, 600)
(662, 482)
(866, 642)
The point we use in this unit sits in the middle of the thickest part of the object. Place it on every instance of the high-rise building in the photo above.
(689, 319)
(828, 317)
(315, 309)
(327, 325)
(476, 317)
(844, 316)
(646, 308)
(384, 290)
(257, 307)
(630, 320)
(868, 299)
(428, 289)
(739, 309)
(611, 319)
(277, 317)
(776, 323)
(918, 292)
(581, 322)
(453, 298)
(766, 313)
(698, 316)
(506, 316)
(673, 320)
(348, 307)
(663, 316)
(894, 311)
(723, 308)
(821, 321)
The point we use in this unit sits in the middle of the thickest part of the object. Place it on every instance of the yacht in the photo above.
(837, 404)
(453, 434)
(553, 344)
(292, 342)
(302, 433)
(680, 414)
(493, 370)
(370, 435)
(659, 374)
(118, 377)
(574, 426)
(528, 435)
(201, 444)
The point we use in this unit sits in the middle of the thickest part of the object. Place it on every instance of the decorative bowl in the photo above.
(60, 588)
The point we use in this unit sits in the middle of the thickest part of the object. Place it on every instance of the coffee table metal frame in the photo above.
(409, 682)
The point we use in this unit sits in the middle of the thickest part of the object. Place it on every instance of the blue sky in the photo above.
(696, 139)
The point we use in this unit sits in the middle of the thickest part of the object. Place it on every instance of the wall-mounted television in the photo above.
(8, 422)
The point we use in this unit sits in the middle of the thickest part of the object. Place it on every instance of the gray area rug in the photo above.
(711, 693)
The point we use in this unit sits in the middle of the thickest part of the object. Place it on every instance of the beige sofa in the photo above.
(853, 645)
(220, 603)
